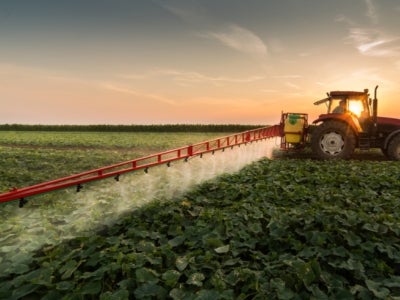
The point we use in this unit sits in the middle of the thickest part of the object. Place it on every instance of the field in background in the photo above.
(30, 157)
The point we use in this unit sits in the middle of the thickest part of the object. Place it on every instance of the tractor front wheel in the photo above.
(333, 140)
(393, 150)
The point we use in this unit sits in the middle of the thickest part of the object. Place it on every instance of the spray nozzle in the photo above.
(22, 202)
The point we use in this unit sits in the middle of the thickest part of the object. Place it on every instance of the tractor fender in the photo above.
(389, 137)
(349, 119)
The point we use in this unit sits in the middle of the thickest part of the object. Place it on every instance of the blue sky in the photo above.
(136, 62)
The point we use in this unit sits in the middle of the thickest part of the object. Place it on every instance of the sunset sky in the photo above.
(192, 61)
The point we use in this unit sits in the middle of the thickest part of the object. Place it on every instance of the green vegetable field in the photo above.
(284, 228)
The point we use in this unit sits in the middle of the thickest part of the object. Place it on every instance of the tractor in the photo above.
(351, 122)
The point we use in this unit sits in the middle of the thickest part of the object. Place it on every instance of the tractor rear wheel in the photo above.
(385, 152)
(393, 150)
(333, 140)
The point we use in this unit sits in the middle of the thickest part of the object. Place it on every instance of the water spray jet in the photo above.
(69, 214)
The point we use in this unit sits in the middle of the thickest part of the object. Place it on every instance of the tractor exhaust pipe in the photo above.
(375, 111)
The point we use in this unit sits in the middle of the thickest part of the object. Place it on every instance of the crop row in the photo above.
(101, 140)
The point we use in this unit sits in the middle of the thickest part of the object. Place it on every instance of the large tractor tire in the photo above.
(333, 140)
(393, 150)
(385, 152)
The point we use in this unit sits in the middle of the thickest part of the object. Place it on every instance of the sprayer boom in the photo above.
(144, 163)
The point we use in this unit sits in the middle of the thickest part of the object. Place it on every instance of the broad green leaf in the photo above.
(65, 286)
(178, 240)
(233, 277)
(145, 246)
(231, 262)
(149, 290)
(146, 275)
(213, 242)
(371, 227)
(196, 279)
(352, 239)
(222, 249)
(68, 269)
(127, 284)
(171, 277)
(392, 281)
(178, 294)
(207, 295)
(308, 252)
(305, 271)
(20, 268)
(377, 289)
(255, 227)
(181, 263)
(117, 295)
(352, 265)
(5, 290)
(91, 288)
(52, 295)
(340, 251)
(361, 291)
(276, 229)
(24, 290)
(317, 293)
(284, 292)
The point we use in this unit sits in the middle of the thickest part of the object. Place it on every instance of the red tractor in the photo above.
(351, 122)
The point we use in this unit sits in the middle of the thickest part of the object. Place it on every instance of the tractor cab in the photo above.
(349, 106)
(356, 103)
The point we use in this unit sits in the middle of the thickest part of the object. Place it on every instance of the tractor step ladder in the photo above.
(364, 142)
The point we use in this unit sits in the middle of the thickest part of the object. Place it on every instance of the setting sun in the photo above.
(356, 107)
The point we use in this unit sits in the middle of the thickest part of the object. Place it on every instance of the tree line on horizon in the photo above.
(133, 127)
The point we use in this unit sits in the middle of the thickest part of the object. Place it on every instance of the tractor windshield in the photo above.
(356, 107)
(356, 103)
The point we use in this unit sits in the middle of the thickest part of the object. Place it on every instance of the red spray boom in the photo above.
(144, 163)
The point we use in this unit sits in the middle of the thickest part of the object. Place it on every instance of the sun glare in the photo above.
(356, 107)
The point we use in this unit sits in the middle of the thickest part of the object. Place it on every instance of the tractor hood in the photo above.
(388, 121)
(388, 125)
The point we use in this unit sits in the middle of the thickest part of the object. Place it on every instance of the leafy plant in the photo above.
(281, 229)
